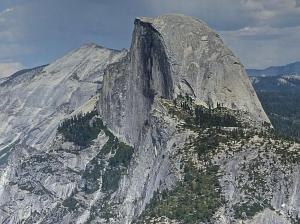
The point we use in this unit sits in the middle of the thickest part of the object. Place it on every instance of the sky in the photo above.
(36, 32)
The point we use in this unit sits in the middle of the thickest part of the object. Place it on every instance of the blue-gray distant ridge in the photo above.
(289, 69)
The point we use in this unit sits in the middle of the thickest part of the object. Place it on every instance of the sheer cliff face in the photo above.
(159, 158)
(171, 56)
(202, 66)
(175, 55)
(143, 75)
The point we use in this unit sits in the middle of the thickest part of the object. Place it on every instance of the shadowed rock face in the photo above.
(145, 74)
(170, 55)
(51, 178)
(202, 66)
(155, 70)
(175, 55)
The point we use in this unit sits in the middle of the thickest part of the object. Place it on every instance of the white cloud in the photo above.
(4, 14)
(7, 69)
(256, 33)
(260, 32)
(36, 32)
(261, 47)
(274, 12)
(5, 11)
(270, 5)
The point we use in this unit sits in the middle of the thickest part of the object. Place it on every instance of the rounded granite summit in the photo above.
(171, 20)
(202, 66)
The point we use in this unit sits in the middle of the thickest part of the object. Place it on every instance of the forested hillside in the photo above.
(280, 97)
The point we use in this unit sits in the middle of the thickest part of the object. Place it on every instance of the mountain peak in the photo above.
(105, 137)
(171, 56)
(170, 18)
(289, 69)
(91, 45)
(199, 63)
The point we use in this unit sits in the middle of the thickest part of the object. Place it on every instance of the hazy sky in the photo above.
(35, 32)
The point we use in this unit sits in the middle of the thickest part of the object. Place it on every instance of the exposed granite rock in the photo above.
(172, 55)
(201, 65)
(34, 102)
(147, 98)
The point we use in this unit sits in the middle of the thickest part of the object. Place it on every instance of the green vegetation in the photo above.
(117, 165)
(247, 209)
(214, 117)
(283, 144)
(218, 128)
(32, 187)
(196, 116)
(122, 155)
(70, 203)
(109, 166)
(283, 109)
(194, 200)
(110, 163)
(92, 174)
(252, 182)
(102, 208)
(105, 169)
(198, 196)
(82, 129)
(110, 171)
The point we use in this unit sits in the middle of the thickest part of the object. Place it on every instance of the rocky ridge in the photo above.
(169, 132)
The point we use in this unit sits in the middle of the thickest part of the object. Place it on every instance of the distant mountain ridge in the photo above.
(289, 69)
(14, 76)
(280, 96)
(278, 83)
(170, 131)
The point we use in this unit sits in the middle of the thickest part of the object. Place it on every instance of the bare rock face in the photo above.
(170, 56)
(175, 55)
(32, 105)
(170, 131)
(34, 102)
(202, 66)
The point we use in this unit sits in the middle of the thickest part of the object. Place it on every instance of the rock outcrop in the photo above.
(174, 55)
(34, 102)
(169, 132)
(201, 65)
